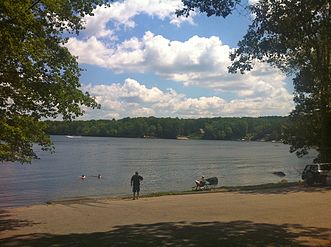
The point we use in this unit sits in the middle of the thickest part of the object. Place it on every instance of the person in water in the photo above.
(135, 184)
(83, 176)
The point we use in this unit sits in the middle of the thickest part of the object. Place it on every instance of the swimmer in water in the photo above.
(83, 176)
(99, 176)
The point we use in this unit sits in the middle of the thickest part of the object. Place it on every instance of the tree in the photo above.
(294, 36)
(39, 78)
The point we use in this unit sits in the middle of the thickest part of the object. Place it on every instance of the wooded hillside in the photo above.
(261, 128)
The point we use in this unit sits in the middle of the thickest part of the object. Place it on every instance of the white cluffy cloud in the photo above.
(122, 13)
(253, 1)
(199, 62)
(133, 99)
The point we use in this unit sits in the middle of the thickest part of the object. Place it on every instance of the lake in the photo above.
(166, 165)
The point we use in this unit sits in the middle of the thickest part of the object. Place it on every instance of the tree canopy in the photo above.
(294, 36)
(39, 78)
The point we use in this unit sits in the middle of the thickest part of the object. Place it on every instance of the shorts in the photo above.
(136, 189)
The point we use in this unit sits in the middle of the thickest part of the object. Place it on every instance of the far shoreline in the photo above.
(177, 138)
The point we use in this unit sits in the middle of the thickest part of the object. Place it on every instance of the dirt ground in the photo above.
(294, 216)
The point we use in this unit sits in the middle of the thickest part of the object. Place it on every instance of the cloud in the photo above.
(253, 1)
(198, 62)
(182, 61)
(122, 13)
(132, 99)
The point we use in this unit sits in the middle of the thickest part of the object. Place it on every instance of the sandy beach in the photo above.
(289, 216)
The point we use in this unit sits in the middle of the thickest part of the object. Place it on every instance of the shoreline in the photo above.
(174, 138)
(267, 187)
(92, 198)
(242, 188)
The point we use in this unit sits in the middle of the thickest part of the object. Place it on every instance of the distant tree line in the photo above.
(232, 128)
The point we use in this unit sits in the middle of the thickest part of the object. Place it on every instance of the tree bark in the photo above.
(325, 148)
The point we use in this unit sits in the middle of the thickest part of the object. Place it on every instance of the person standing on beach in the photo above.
(135, 184)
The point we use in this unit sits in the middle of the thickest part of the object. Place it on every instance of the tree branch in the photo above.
(34, 4)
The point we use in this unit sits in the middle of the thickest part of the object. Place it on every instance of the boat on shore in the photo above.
(73, 137)
(182, 138)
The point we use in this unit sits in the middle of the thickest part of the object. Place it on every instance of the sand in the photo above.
(294, 216)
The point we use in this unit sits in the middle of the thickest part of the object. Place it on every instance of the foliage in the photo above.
(294, 36)
(219, 8)
(39, 78)
(250, 129)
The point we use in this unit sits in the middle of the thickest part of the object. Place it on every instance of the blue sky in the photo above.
(141, 60)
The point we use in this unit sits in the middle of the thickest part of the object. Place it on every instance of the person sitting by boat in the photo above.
(203, 180)
(200, 183)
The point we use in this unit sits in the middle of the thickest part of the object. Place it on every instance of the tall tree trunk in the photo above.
(325, 148)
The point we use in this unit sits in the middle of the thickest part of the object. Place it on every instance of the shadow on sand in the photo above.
(280, 188)
(7, 223)
(235, 233)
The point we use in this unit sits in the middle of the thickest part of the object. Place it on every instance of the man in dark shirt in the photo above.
(135, 184)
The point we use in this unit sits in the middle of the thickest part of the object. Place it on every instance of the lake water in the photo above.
(166, 165)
